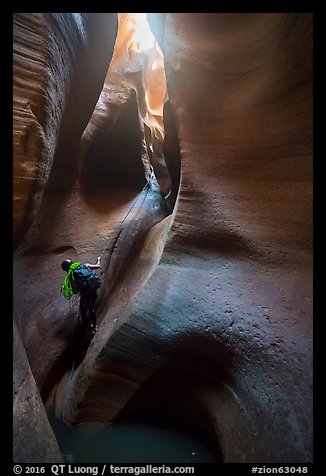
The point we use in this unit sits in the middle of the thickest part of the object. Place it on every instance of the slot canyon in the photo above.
(186, 164)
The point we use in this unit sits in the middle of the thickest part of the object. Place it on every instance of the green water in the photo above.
(130, 443)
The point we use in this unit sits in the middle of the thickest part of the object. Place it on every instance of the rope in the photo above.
(72, 368)
(70, 302)
(148, 181)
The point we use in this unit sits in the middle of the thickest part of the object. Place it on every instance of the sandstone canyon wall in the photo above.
(210, 322)
(60, 63)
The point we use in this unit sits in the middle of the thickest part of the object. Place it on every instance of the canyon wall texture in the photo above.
(207, 321)
(228, 311)
(241, 242)
(33, 439)
(60, 63)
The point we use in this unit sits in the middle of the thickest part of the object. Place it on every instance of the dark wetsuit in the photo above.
(86, 306)
(88, 298)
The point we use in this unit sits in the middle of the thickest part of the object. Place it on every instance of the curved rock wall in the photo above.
(241, 242)
(243, 226)
(136, 77)
(33, 438)
(230, 302)
(60, 63)
(76, 50)
(225, 320)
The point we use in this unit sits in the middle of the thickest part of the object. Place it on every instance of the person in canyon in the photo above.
(82, 279)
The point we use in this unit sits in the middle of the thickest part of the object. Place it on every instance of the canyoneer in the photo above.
(82, 279)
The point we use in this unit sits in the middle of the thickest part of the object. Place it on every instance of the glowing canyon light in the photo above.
(143, 37)
(138, 63)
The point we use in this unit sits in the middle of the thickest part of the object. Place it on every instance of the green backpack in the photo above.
(69, 287)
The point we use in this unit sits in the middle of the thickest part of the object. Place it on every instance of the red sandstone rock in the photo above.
(224, 321)
(231, 297)
(34, 441)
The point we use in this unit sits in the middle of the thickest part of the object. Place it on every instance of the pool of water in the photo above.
(130, 443)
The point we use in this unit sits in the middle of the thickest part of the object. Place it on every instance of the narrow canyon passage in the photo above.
(120, 154)
(184, 159)
(126, 271)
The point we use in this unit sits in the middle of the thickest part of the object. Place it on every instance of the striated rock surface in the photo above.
(230, 304)
(77, 49)
(136, 77)
(36, 117)
(60, 63)
(34, 441)
(215, 334)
